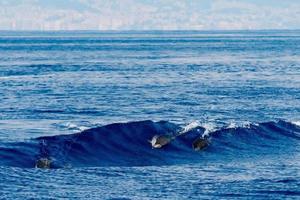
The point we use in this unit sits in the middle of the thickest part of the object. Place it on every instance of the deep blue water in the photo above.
(91, 101)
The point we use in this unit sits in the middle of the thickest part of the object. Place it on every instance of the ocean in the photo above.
(90, 103)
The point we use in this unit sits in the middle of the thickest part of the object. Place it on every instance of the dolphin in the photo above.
(159, 141)
(199, 144)
(43, 163)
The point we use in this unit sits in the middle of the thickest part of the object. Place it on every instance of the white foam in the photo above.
(189, 127)
(70, 125)
(82, 128)
(245, 124)
(297, 123)
(73, 126)
(209, 127)
(232, 125)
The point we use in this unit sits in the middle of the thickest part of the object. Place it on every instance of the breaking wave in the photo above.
(127, 144)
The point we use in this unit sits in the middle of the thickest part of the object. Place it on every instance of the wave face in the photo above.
(127, 144)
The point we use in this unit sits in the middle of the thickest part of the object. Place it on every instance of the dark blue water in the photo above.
(91, 101)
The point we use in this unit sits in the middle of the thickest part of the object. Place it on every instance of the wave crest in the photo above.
(127, 144)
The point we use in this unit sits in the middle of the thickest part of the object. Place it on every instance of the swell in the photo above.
(127, 144)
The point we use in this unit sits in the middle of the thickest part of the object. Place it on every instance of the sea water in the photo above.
(90, 102)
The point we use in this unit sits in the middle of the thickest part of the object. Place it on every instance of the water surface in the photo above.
(90, 101)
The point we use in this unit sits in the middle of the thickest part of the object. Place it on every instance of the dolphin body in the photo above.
(159, 141)
(43, 163)
(199, 144)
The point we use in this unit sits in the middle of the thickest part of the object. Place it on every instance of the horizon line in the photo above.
(144, 30)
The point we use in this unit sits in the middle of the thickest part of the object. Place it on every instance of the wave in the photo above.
(127, 144)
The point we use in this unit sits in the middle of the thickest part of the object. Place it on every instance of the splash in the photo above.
(189, 127)
(209, 128)
(245, 124)
(297, 123)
